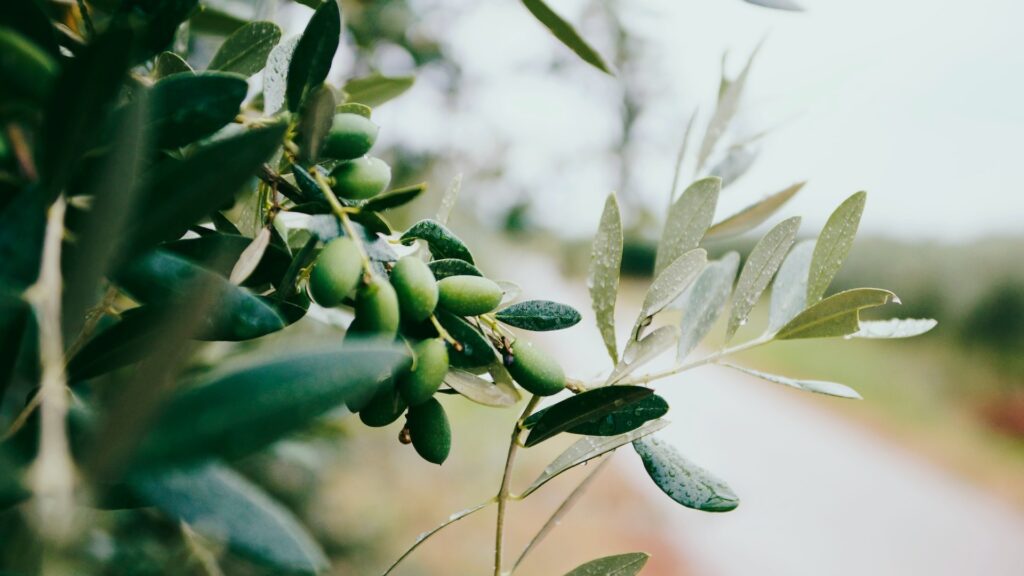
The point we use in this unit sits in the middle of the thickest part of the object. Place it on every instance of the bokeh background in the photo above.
(914, 101)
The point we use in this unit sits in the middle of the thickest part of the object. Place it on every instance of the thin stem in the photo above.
(346, 223)
(92, 321)
(426, 535)
(709, 359)
(506, 484)
(444, 333)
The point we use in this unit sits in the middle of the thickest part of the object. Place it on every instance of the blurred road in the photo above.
(820, 495)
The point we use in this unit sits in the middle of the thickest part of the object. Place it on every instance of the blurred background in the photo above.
(915, 102)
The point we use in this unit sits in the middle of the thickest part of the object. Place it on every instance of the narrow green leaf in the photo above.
(187, 107)
(250, 258)
(315, 123)
(682, 480)
(481, 391)
(833, 245)
(763, 262)
(443, 243)
(275, 75)
(618, 565)
(448, 199)
(688, 220)
(895, 328)
(677, 169)
(476, 350)
(704, 301)
(728, 104)
(220, 252)
(169, 64)
(788, 5)
(394, 198)
(588, 448)
(837, 315)
(314, 53)
(737, 162)
(789, 292)
(446, 267)
(376, 90)
(246, 51)
(619, 421)
(816, 386)
(566, 34)
(426, 535)
(283, 393)
(640, 352)
(668, 285)
(223, 505)
(603, 278)
(131, 339)
(753, 216)
(583, 408)
(539, 315)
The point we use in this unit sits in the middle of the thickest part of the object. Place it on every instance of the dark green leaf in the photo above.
(245, 52)
(169, 64)
(837, 315)
(833, 245)
(12, 489)
(221, 504)
(539, 315)
(14, 317)
(315, 122)
(376, 89)
(682, 480)
(308, 185)
(218, 252)
(129, 340)
(304, 257)
(30, 18)
(586, 408)
(620, 421)
(22, 226)
(314, 53)
(283, 393)
(566, 34)
(446, 267)
(619, 565)
(442, 242)
(476, 350)
(187, 107)
(394, 198)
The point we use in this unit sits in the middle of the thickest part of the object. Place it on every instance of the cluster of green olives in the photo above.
(357, 176)
(402, 306)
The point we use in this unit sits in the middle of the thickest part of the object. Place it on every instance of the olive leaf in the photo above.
(446, 267)
(668, 285)
(677, 168)
(220, 252)
(725, 110)
(376, 89)
(618, 565)
(539, 315)
(250, 258)
(688, 220)
(476, 350)
(246, 51)
(619, 421)
(833, 245)
(763, 262)
(31, 20)
(566, 34)
(704, 301)
(777, 4)
(682, 480)
(443, 243)
(169, 64)
(837, 315)
(311, 60)
(223, 505)
(640, 352)
(394, 198)
(737, 162)
(754, 215)
(481, 391)
(583, 408)
(275, 75)
(603, 277)
(315, 122)
(816, 386)
(588, 448)
(187, 107)
(895, 328)
(789, 292)
(284, 392)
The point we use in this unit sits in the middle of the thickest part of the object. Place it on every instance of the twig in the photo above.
(709, 359)
(426, 535)
(346, 223)
(506, 484)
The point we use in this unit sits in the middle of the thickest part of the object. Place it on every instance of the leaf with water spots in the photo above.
(763, 262)
(837, 315)
(895, 328)
(688, 220)
(275, 75)
(704, 301)
(583, 408)
(682, 480)
(618, 565)
(603, 279)
(833, 245)
(816, 386)
(668, 285)
(754, 215)
(640, 352)
(246, 51)
(789, 292)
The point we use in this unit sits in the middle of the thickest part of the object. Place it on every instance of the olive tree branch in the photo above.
(506, 483)
(709, 359)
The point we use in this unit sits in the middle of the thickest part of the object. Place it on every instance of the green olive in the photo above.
(468, 295)
(385, 407)
(429, 430)
(421, 382)
(376, 310)
(535, 370)
(351, 136)
(416, 288)
(361, 178)
(336, 272)
(27, 69)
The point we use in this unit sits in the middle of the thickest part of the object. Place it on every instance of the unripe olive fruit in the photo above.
(361, 178)
(429, 430)
(385, 407)
(351, 136)
(535, 370)
(429, 369)
(376, 309)
(416, 288)
(468, 295)
(336, 272)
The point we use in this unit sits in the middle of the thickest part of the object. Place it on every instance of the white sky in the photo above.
(916, 101)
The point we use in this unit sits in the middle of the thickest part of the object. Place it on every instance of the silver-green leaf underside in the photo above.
(479, 390)
(837, 315)
(816, 386)
(789, 292)
(737, 162)
(687, 221)
(763, 262)
(682, 480)
(833, 245)
(895, 328)
(641, 352)
(245, 52)
(754, 215)
(704, 301)
(668, 285)
(603, 280)
(728, 104)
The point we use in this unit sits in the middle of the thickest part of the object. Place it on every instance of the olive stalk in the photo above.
(709, 359)
(506, 483)
(444, 333)
(346, 223)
